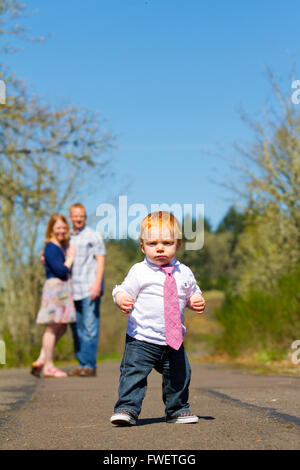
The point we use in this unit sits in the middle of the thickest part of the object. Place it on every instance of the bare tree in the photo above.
(270, 169)
(45, 156)
(11, 13)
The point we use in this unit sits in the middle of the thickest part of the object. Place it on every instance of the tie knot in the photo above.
(167, 269)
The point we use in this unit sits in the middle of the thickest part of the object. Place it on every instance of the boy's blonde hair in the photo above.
(161, 219)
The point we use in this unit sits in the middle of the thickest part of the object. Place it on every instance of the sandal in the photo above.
(36, 369)
(57, 373)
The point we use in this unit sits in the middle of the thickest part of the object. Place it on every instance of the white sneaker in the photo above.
(184, 418)
(123, 418)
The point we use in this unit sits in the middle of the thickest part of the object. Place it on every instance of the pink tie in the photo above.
(172, 312)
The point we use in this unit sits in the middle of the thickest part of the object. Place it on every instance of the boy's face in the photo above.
(77, 217)
(160, 246)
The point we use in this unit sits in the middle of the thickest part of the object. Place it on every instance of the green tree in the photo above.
(211, 264)
(261, 309)
(233, 221)
(270, 244)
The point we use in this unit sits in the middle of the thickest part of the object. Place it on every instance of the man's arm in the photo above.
(95, 288)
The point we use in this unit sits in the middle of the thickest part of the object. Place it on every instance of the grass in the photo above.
(262, 324)
(204, 331)
(252, 364)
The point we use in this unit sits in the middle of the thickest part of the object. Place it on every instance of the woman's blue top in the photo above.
(54, 262)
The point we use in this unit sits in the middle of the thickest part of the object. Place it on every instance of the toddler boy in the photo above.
(154, 295)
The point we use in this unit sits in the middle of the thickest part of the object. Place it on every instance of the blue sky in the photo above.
(169, 76)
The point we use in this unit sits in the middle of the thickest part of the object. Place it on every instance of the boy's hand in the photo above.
(124, 302)
(197, 303)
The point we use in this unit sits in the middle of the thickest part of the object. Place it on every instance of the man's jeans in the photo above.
(138, 360)
(86, 331)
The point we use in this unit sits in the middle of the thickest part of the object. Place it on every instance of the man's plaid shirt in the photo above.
(88, 243)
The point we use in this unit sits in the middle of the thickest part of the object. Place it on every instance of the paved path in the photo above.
(237, 411)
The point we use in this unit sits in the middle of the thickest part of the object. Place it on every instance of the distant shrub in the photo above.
(262, 321)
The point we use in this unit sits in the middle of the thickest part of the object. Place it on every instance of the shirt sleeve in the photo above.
(99, 246)
(55, 260)
(130, 285)
(193, 286)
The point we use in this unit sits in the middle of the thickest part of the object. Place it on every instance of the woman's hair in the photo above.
(53, 219)
(161, 219)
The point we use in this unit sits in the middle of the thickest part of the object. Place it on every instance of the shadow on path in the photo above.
(271, 411)
(145, 421)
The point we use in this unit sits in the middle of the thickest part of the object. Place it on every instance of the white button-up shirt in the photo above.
(89, 243)
(145, 283)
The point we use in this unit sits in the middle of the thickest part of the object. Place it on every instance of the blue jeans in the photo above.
(86, 331)
(138, 361)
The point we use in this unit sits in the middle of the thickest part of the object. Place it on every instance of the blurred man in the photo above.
(88, 284)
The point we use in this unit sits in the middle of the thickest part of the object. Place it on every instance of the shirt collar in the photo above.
(78, 231)
(153, 266)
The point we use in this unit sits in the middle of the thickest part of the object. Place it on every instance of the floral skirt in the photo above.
(57, 302)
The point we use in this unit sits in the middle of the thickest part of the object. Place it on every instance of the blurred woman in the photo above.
(57, 307)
